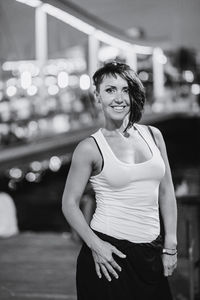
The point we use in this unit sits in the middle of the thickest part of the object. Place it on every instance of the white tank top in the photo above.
(127, 193)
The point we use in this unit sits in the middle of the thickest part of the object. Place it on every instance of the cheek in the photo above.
(127, 99)
(106, 99)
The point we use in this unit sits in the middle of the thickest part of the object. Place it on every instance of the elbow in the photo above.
(68, 207)
(65, 208)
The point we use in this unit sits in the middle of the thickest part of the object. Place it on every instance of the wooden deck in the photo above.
(37, 266)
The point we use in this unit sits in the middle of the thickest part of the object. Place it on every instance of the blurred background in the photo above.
(48, 52)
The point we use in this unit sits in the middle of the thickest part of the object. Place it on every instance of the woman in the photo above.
(123, 255)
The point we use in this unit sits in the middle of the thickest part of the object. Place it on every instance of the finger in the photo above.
(98, 271)
(115, 265)
(105, 272)
(168, 271)
(118, 253)
(165, 273)
(111, 270)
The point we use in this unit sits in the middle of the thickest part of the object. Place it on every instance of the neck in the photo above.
(114, 126)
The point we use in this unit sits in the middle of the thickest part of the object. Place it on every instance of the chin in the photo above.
(118, 117)
(115, 116)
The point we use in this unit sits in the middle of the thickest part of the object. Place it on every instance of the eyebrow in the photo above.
(113, 86)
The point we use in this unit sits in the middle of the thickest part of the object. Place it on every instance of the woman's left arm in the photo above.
(168, 209)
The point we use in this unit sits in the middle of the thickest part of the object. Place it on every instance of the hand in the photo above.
(104, 261)
(169, 263)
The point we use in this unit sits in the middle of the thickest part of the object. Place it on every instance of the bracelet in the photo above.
(174, 249)
(165, 251)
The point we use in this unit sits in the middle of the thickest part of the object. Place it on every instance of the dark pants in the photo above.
(141, 277)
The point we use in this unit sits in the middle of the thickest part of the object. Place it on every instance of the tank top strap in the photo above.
(102, 145)
(147, 136)
(142, 131)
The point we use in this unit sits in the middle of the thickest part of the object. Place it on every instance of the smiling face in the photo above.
(114, 97)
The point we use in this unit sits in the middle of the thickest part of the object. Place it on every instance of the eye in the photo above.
(110, 90)
(126, 90)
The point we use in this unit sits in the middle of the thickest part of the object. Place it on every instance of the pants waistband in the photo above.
(157, 243)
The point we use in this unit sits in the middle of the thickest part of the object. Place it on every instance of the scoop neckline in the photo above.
(122, 162)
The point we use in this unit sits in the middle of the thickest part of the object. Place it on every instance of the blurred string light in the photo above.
(144, 76)
(35, 70)
(20, 132)
(53, 90)
(51, 69)
(84, 82)
(159, 56)
(55, 163)
(26, 79)
(12, 184)
(36, 169)
(20, 66)
(162, 59)
(50, 80)
(15, 173)
(11, 91)
(11, 81)
(32, 90)
(45, 164)
(33, 125)
(188, 76)
(29, 66)
(36, 166)
(31, 177)
(195, 89)
(60, 123)
(63, 79)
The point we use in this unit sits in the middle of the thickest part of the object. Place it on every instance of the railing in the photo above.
(189, 239)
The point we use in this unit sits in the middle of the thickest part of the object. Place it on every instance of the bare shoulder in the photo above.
(86, 150)
(157, 133)
(159, 139)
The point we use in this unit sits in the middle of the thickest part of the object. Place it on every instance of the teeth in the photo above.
(118, 108)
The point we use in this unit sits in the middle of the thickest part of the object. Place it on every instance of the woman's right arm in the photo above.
(79, 173)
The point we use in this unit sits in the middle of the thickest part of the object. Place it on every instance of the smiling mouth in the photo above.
(118, 108)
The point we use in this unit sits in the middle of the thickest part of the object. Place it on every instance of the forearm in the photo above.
(168, 211)
(76, 220)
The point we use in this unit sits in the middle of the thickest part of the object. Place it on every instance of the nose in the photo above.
(119, 98)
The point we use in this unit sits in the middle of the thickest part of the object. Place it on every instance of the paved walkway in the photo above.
(37, 266)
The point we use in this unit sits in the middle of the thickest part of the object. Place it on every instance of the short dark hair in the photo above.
(136, 88)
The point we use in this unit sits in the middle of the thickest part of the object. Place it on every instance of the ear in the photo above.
(97, 95)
